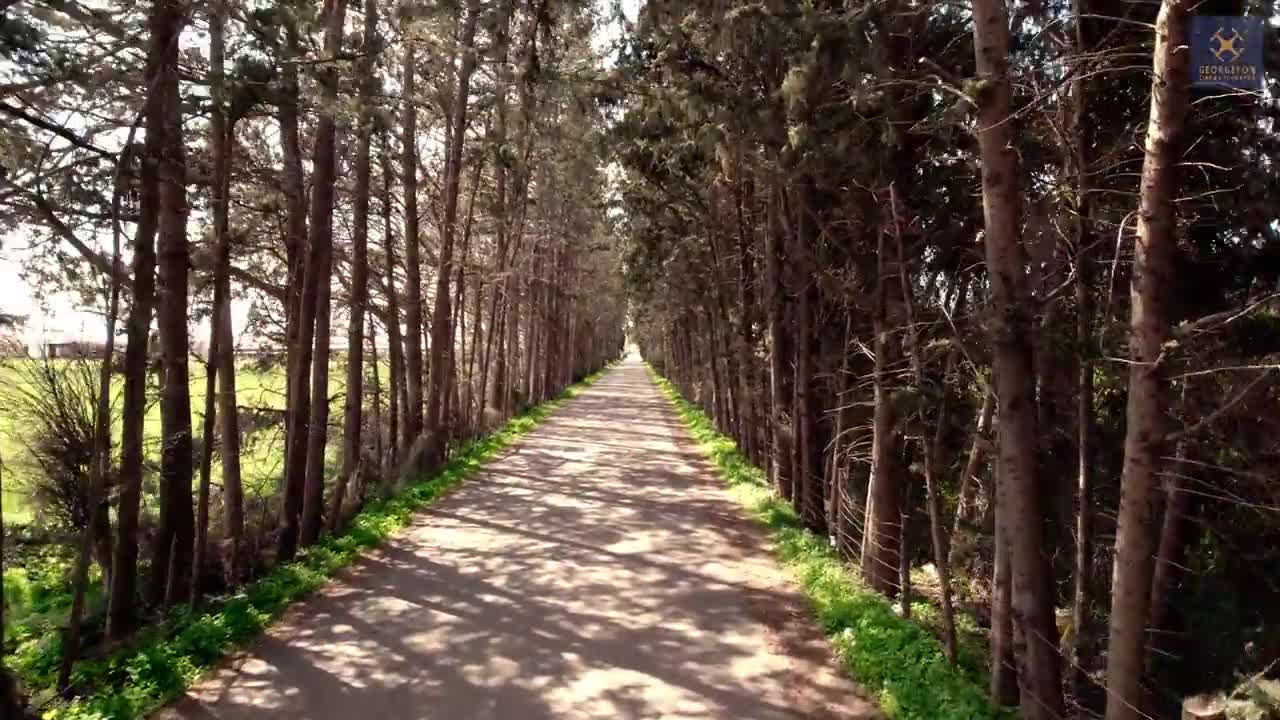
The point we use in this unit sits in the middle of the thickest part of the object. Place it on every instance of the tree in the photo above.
(170, 571)
(221, 344)
(299, 330)
(412, 252)
(122, 609)
(352, 417)
(1148, 331)
(1020, 501)
(442, 321)
(319, 268)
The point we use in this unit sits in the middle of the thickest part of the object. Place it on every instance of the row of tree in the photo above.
(275, 157)
(885, 245)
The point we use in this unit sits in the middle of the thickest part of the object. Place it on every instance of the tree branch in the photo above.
(1222, 409)
(61, 132)
(99, 261)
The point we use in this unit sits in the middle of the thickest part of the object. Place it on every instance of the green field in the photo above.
(259, 392)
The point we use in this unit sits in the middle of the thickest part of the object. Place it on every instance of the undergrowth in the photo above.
(895, 658)
(166, 658)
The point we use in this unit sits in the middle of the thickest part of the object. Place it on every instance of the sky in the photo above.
(61, 318)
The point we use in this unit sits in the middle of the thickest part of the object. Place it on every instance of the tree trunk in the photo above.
(96, 504)
(927, 445)
(379, 450)
(885, 497)
(501, 284)
(463, 411)
(1169, 550)
(1004, 672)
(298, 394)
(779, 345)
(352, 419)
(395, 347)
(1082, 151)
(809, 447)
(473, 348)
(1148, 330)
(836, 510)
(973, 467)
(746, 299)
(222, 352)
(206, 465)
(170, 568)
(412, 254)
(441, 318)
(319, 268)
(122, 604)
(1020, 496)
(532, 328)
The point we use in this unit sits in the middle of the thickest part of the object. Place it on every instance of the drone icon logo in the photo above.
(1233, 46)
(1226, 50)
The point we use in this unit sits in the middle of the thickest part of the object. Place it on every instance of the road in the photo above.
(594, 570)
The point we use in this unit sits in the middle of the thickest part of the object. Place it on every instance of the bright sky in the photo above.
(60, 318)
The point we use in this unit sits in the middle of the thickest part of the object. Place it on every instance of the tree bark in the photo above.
(1020, 496)
(122, 604)
(468, 349)
(973, 466)
(501, 283)
(1004, 671)
(412, 253)
(397, 399)
(441, 319)
(352, 420)
(1082, 153)
(299, 334)
(747, 331)
(809, 447)
(319, 270)
(927, 445)
(1148, 330)
(779, 346)
(222, 352)
(170, 568)
(1170, 548)
(96, 504)
(206, 465)
(885, 497)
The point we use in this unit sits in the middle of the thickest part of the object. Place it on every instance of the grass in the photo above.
(36, 573)
(898, 660)
(166, 658)
(255, 388)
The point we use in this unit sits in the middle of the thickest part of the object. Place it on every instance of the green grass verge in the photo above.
(898, 660)
(166, 658)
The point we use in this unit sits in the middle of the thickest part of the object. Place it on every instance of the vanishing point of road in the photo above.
(596, 569)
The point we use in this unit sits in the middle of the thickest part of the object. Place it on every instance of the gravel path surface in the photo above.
(594, 570)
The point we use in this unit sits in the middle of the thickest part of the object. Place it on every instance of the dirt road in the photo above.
(595, 570)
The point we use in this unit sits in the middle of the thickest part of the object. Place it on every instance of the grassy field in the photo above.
(262, 391)
(36, 584)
